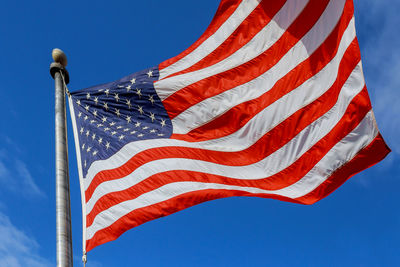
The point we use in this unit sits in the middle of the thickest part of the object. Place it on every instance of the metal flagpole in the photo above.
(63, 209)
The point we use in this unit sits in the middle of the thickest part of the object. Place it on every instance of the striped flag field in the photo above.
(269, 102)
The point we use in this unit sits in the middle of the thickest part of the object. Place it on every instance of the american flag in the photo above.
(269, 102)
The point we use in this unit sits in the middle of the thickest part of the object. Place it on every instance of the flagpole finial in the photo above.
(59, 57)
(59, 64)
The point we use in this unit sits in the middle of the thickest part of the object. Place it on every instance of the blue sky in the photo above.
(358, 225)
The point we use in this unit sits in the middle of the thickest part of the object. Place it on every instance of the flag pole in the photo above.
(63, 209)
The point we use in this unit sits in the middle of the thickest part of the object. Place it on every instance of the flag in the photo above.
(270, 102)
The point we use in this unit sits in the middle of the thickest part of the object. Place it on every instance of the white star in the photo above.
(139, 92)
(140, 109)
(83, 146)
(133, 132)
(81, 131)
(133, 80)
(92, 121)
(128, 119)
(96, 100)
(95, 113)
(150, 73)
(121, 137)
(116, 97)
(128, 102)
(117, 112)
(99, 125)
(101, 90)
(107, 91)
(145, 127)
(126, 129)
(100, 140)
(78, 102)
(160, 134)
(106, 129)
(87, 133)
(108, 145)
(113, 133)
(80, 114)
(162, 123)
(128, 88)
(88, 96)
(88, 149)
(119, 127)
(112, 123)
(140, 135)
(86, 117)
(152, 117)
(151, 99)
(93, 136)
(94, 153)
(137, 124)
(85, 164)
(152, 131)
(105, 106)
(87, 108)
(104, 119)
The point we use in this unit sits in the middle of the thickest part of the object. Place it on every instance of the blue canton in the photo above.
(109, 116)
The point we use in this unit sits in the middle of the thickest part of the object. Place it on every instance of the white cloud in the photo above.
(16, 248)
(27, 179)
(4, 172)
(6, 177)
(16, 177)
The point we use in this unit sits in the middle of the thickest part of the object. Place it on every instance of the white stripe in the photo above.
(274, 163)
(257, 45)
(340, 154)
(213, 107)
(215, 40)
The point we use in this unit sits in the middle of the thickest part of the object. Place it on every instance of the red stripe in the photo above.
(257, 20)
(376, 151)
(271, 141)
(162, 209)
(225, 10)
(356, 111)
(211, 86)
(239, 115)
(367, 157)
